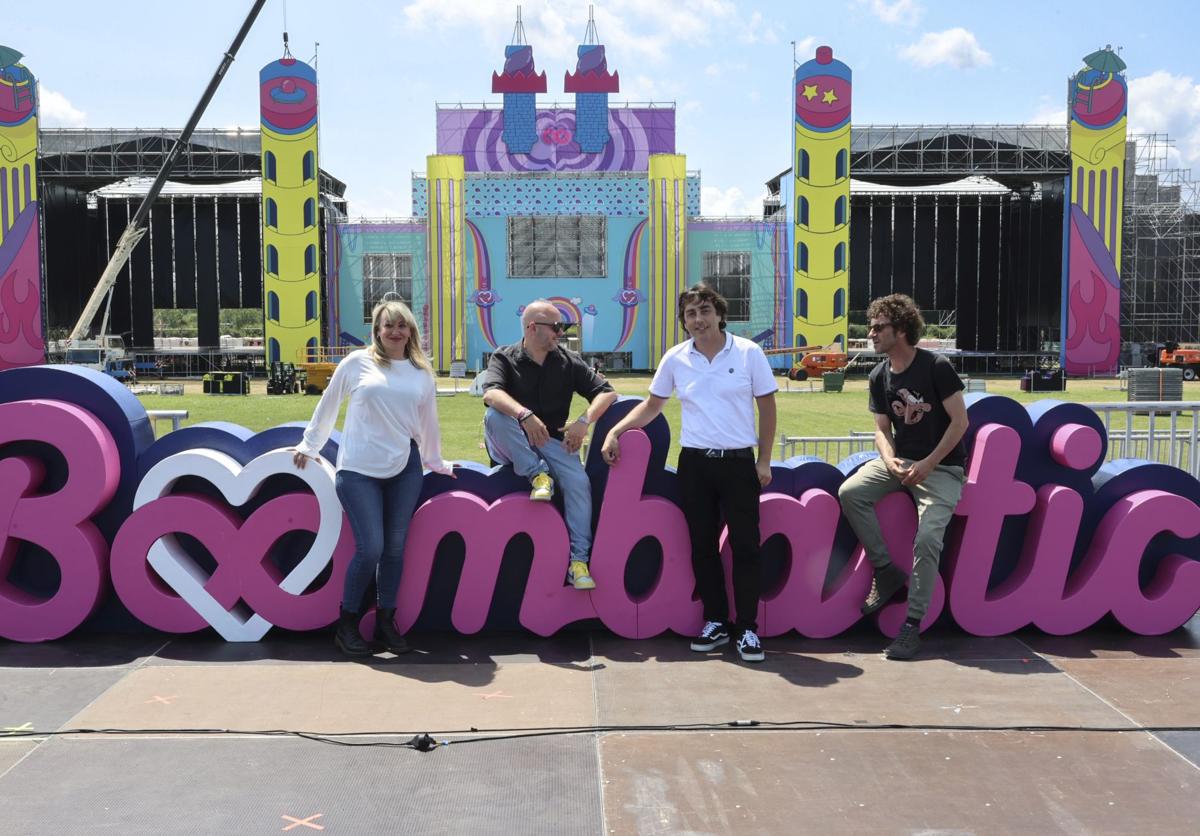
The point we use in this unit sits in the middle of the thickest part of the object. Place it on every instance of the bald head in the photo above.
(540, 310)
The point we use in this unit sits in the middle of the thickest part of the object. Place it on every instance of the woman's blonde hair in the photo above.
(396, 310)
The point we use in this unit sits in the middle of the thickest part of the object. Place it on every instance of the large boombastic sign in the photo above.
(212, 526)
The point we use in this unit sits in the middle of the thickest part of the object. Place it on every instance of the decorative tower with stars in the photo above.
(821, 206)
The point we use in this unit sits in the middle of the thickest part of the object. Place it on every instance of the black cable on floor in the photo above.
(428, 741)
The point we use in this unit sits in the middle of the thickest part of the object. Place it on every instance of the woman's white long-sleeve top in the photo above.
(390, 406)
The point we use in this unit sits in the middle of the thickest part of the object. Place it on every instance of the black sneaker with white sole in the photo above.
(711, 637)
(749, 647)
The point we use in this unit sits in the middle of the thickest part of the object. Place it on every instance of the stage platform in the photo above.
(962, 740)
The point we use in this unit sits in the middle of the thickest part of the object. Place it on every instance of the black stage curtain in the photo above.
(208, 311)
(162, 255)
(142, 290)
(251, 255)
(120, 321)
(184, 223)
(902, 245)
(228, 278)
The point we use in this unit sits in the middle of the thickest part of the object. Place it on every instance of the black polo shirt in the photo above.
(546, 389)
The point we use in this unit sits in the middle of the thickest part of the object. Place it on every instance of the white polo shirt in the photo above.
(717, 397)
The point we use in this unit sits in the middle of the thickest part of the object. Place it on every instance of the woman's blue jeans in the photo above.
(379, 511)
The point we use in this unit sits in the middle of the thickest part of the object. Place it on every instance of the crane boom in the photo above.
(134, 232)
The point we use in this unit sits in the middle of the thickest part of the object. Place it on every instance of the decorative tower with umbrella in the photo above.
(1091, 306)
(22, 342)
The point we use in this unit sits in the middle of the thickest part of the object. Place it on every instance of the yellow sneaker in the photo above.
(543, 488)
(578, 573)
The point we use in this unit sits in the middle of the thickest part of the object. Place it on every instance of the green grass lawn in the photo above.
(803, 411)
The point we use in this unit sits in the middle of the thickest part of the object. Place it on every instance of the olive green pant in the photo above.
(936, 497)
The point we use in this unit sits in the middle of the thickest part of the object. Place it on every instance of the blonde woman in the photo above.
(391, 430)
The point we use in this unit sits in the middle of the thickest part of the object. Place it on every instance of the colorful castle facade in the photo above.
(590, 206)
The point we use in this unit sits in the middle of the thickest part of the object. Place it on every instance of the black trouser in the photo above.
(711, 488)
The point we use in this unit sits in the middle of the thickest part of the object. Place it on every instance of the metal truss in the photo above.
(85, 155)
(1160, 247)
(1033, 151)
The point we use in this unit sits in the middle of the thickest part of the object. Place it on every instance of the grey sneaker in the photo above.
(906, 644)
(711, 637)
(749, 647)
(885, 583)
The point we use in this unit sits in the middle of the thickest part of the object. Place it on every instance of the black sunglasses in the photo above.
(558, 327)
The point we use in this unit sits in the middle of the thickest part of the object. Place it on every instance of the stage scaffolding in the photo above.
(1160, 248)
(935, 153)
(84, 154)
(203, 247)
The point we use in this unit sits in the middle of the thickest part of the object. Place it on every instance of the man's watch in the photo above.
(583, 419)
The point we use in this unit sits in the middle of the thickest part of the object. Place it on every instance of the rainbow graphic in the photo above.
(1091, 308)
(291, 236)
(821, 207)
(631, 295)
(569, 308)
(483, 297)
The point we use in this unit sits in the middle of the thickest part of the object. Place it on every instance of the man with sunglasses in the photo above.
(527, 390)
(920, 418)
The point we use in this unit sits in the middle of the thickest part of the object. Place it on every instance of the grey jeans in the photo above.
(935, 498)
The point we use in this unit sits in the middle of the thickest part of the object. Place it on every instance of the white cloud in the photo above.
(806, 49)
(1166, 103)
(1048, 113)
(56, 111)
(725, 68)
(897, 12)
(957, 47)
(731, 202)
(641, 30)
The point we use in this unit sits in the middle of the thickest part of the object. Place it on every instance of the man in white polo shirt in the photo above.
(719, 378)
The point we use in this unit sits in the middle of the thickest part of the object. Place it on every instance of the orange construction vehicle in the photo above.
(814, 360)
(1186, 356)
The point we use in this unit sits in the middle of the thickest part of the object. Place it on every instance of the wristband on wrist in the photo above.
(525, 413)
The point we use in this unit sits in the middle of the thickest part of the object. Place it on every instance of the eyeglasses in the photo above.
(557, 327)
(877, 327)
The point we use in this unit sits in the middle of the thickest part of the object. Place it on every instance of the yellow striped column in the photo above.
(668, 250)
(447, 259)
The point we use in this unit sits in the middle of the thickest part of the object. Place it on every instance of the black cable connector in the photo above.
(423, 743)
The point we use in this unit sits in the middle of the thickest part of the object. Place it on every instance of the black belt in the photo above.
(715, 453)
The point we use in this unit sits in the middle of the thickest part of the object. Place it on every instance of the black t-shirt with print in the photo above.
(913, 400)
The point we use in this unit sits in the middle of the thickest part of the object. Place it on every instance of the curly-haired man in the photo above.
(920, 418)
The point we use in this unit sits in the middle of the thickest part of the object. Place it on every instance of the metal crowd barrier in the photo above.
(1167, 432)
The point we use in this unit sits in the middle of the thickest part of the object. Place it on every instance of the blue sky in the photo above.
(727, 65)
